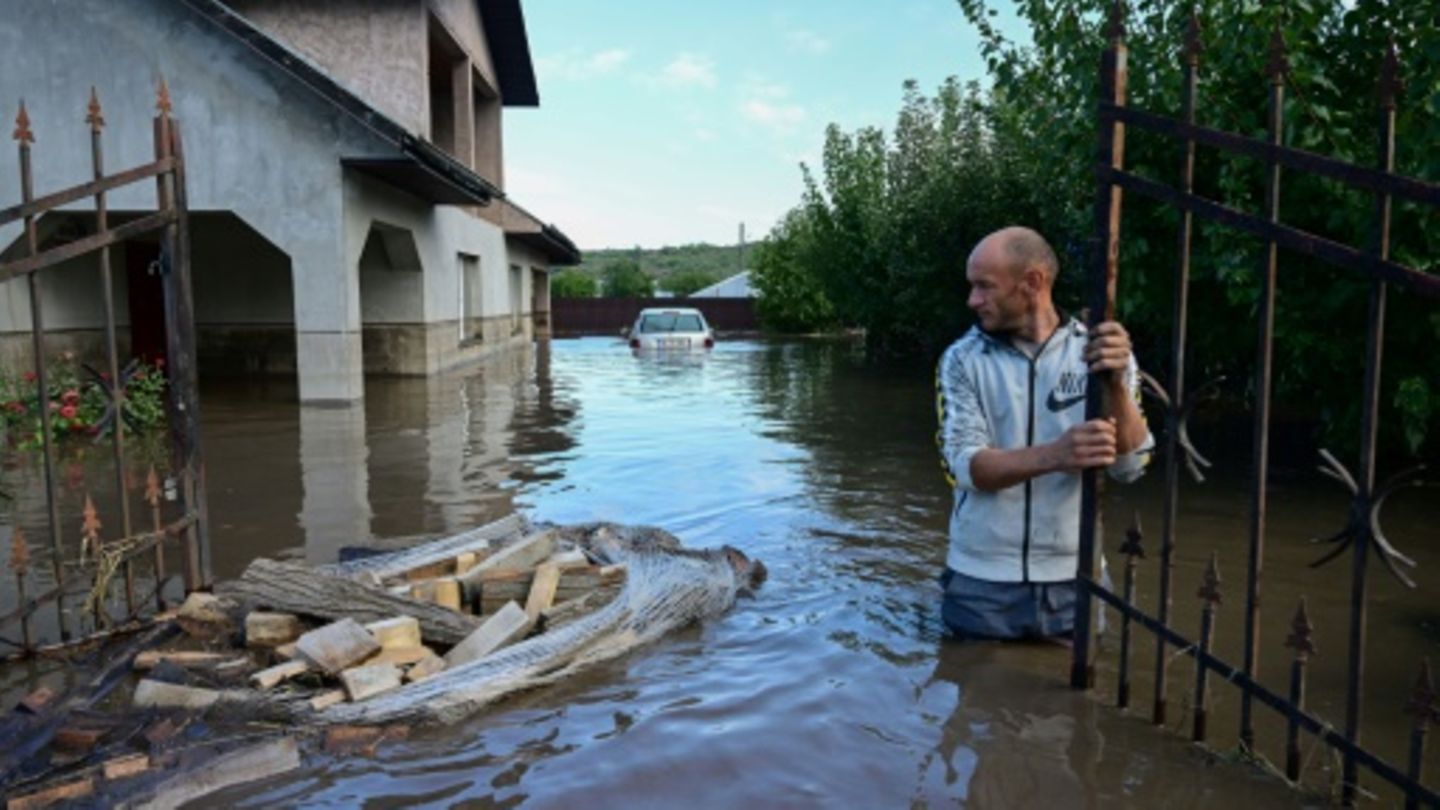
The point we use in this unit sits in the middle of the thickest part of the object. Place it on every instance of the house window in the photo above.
(471, 326)
(517, 282)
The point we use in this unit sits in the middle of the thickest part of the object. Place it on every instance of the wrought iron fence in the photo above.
(87, 571)
(1362, 535)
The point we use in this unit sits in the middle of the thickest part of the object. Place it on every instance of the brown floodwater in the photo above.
(834, 686)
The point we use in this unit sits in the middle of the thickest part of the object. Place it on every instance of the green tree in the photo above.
(573, 284)
(625, 279)
(791, 295)
(1334, 53)
(684, 282)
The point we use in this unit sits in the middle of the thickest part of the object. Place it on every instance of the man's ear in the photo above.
(1033, 278)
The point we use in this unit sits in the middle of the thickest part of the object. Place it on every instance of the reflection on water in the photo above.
(833, 687)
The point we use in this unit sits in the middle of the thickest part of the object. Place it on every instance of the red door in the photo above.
(147, 301)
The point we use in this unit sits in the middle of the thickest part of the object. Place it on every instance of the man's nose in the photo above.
(974, 300)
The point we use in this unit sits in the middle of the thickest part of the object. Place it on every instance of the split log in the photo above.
(527, 553)
(370, 680)
(425, 668)
(401, 656)
(388, 565)
(325, 700)
(400, 631)
(236, 767)
(542, 590)
(266, 629)
(297, 589)
(276, 675)
(337, 646)
(122, 767)
(188, 659)
(163, 695)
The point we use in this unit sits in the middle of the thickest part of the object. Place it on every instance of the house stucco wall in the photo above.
(375, 48)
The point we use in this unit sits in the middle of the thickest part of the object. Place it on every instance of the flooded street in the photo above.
(833, 687)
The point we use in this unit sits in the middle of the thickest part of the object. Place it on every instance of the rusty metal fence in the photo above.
(84, 567)
(1362, 536)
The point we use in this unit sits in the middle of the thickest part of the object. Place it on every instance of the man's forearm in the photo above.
(1130, 429)
(992, 469)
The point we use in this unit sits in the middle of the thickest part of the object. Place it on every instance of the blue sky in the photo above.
(669, 122)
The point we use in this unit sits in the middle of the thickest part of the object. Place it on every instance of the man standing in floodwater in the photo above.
(1013, 439)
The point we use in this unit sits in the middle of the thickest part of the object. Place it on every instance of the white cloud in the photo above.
(779, 117)
(767, 103)
(575, 65)
(807, 41)
(689, 70)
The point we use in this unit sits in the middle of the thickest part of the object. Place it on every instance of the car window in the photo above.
(672, 322)
(657, 323)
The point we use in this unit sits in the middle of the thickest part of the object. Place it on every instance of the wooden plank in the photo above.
(400, 631)
(478, 540)
(542, 590)
(161, 695)
(298, 589)
(370, 680)
(78, 739)
(237, 767)
(337, 645)
(467, 560)
(507, 625)
(278, 674)
(574, 558)
(51, 795)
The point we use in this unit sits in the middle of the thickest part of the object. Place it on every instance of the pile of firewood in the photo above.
(285, 632)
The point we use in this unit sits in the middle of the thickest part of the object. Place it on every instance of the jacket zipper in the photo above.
(1030, 442)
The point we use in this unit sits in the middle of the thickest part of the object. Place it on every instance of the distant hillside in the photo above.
(721, 261)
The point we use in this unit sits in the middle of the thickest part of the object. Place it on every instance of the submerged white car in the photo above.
(671, 329)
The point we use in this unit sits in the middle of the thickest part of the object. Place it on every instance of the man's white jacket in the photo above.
(991, 394)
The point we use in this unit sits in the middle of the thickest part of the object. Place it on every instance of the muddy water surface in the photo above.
(832, 688)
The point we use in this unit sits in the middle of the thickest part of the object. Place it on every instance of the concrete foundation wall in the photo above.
(375, 48)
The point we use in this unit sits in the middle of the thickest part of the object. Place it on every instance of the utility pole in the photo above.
(740, 257)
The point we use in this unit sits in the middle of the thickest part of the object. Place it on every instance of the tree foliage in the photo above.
(573, 284)
(883, 229)
(684, 282)
(625, 279)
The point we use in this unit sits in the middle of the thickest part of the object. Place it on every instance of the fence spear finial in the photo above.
(90, 527)
(94, 117)
(1391, 84)
(162, 99)
(1279, 65)
(22, 126)
(1210, 586)
(1193, 44)
(1300, 639)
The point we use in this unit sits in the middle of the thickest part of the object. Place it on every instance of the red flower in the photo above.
(29, 376)
(54, 406)
(159, 362)
(71, 395)
(68, 412)
(105, 375)
(76, 427)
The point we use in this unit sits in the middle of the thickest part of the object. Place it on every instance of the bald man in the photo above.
(1013, 439)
